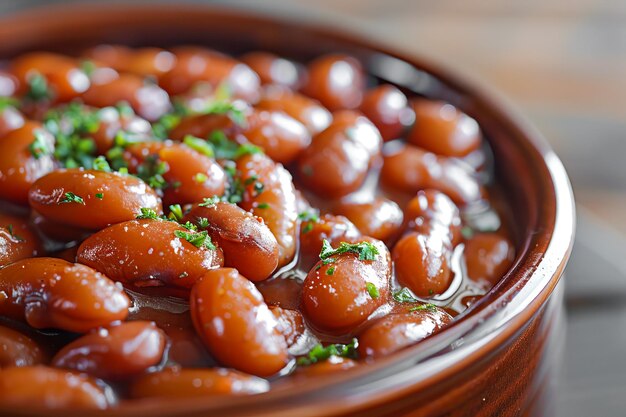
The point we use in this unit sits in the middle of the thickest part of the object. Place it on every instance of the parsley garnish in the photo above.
(199, 145)
(38, 88)
(88, 67)
(309, 218)
(203, 222)
(330, 270)
(210, 202)
(404, 296)
(176, 212)
(40, 147)
(148, 213)
(372, 290)
(200, 178)
(8, 102)
(190, 226)
(224, 148)
(425, 306)
(198, 239)
(467, 232)
(366, 250)
(162, 127)
(320, 353)
(231, 109)
(13, 235)
(99, 196)
(70, 197)
(151, 172)
(101, 164)
(263, 205)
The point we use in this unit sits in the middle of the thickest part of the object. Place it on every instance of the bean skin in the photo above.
(273, 69)
(49, 388)
(19, 169)
(411, 169)
(431, 209)
(339, 157)
(282, 292)
(335, 296)
(443, 129)
(248, 244)
(196, 176)
(139, 61)
(422, 263)
(114, 353)
(488, 257)
(290, 324)
(276, 204)
(306, 110)
(10, 120)
(17, 349)
(53, 293)
(335, 229)
(123, 196)
(148, 100)
(17, 239)
(236, 325)
(396, 331)
(202, 125)
(147, 253)
(337, 81)
(190, 383)
(387, 107)
(112, 122)
(380, 218)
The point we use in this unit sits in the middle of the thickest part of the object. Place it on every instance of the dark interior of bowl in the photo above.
(519, 162)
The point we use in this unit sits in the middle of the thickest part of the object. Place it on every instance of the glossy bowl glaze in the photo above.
(497, 358)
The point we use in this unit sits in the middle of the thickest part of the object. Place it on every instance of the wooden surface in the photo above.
(563, 64)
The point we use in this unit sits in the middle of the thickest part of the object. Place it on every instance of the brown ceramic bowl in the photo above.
(496, 359)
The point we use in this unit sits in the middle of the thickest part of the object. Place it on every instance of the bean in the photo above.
(273, 69)
(396, 331)
(18, 349)
(488, 256)
(202, 125)
(9, 84)
(379, 218)
(10, 119)
(431, 209)
(105, 198)
(148, 100)
(284, 292)
(337, 81)
(335, 229)
(17, 239)
(112, 121)
(269, 193)
(339, 157)
(247, 242)
(387, 107)
(235, 324)
(148, 253)
(306, 110)
(189, 383)
(53, 293)
(117, 352)
(422, 263)
(443, 129)
(340, 295)
(139, 61)
(19, 166)
(290, 324)
(191, 176)
(49, 388)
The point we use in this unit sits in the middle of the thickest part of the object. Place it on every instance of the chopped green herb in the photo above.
(231, 109)
(225, 148)
(176, 212)
(198, 239)
(259, 187)
(203, 222)
(247, 149)
(200, 178)
(307, 227)
(38, 88)
(467, 232)
(99, 196)
(162, 127)
(367, 251)
(148, 213)
(309, 216)
(320, 353)
(13, 235)
(210, 202)
(330, 270)
(425, 306)
(101, 164)
(125, 109)
(372, 290)
(263, 205)
(190, 226)
(199, 145)
(404, 296)
(40, 146)
(70, 197)
(151, 171)
(88, 67)
(8, 102)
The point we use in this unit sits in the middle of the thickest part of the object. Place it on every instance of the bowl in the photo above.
(498, 357)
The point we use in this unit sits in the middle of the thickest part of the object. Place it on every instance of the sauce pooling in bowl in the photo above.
(236, 223)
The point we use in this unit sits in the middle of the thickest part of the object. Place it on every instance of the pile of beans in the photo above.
(183, 223)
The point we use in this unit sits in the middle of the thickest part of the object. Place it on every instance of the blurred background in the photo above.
(562, 63)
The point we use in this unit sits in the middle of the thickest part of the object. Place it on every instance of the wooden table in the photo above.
(563, 63)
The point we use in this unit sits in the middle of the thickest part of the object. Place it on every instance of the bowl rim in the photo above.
(480, 332)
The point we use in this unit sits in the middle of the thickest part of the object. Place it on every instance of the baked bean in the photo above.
(25, 155)
(140, 61)
(117, 352)
(306, 110)
(433, 208)
(91, 199)
(339, 295)
(269, 193)
(189, 383)
(387, 107)
(443, 129)
(290, 324)
(150, 253)
(380, 218)
(488, 256)
(112, 121)
(273, 69)
(148, 100)
(190, 175)
(202, 125)
(17, 349)
(195, 64)
(412, 169)
(335, 229)
(62, 77)
(337, 81)
(422, 263)
(280, 136)
(17, 239)
(339, 157)
(247, 242)
(10, 120)
(49, 388)
(236, 325)
(53, 293)
(282, 292)
(393, 332)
